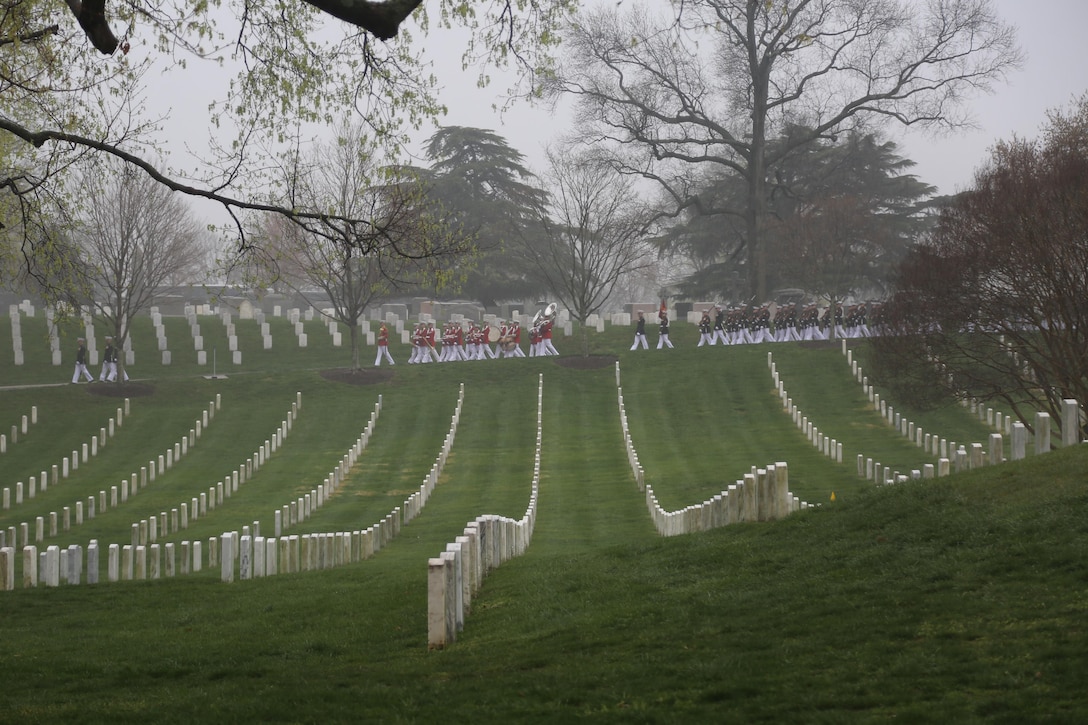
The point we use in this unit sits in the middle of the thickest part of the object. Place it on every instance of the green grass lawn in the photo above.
(952, 600)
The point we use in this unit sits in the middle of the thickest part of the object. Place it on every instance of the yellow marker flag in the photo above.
(832, 495)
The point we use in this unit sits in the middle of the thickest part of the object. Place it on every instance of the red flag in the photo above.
(663, 310)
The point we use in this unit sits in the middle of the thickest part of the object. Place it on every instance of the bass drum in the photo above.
(507, 343)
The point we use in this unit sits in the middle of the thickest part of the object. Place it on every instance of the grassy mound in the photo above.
(956, 599)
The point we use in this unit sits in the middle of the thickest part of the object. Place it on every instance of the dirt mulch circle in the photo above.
(366, 376)
(593, 362)
(121, 390)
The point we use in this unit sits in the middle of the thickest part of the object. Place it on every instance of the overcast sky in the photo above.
(1051, 34)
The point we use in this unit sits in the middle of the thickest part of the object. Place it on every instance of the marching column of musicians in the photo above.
(739, 325)
(470, 341)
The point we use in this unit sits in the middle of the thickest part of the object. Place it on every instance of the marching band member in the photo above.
(110, 358)
(460, 342)
(472, 342)
(488, 350)
(517, 339)
(546, 345)
(412, 357)
(534, 341)
(505, 335)
(383, 347)
(447, 353)
(429, 351)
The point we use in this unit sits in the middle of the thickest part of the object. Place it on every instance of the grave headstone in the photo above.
(1042, 433)
(1071, 423)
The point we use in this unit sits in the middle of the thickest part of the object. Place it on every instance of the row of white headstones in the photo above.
(17, 429)
(147, 529)
(762, 494)
(457, 573)
(15, 313)
(61, 521)
(950, 457)
(246, 551)
(247, 555)
(295, 316)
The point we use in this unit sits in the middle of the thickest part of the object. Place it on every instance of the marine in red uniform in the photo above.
(383, 346)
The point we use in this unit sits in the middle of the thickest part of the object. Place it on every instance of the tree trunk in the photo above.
(757, 172)
(355, 365)
(831, 317)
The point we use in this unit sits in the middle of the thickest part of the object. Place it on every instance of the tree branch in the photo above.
(30, 37)
(380, 19)
(91, 15)
(40, 138)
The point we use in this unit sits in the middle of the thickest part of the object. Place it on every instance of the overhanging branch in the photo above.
(91, 15)
(380, 19)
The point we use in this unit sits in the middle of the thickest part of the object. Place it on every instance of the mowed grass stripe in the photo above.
(489, 471)
(230, 438)
(332, 418)
(820, 383)
(958, 599)
(67, 418)
(701, 431)
(152, 426)
(398, 458)
(588, 497)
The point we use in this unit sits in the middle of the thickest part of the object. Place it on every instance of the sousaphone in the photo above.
(545, 315)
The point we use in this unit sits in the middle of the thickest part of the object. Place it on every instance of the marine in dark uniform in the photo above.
(663, 338)
(81, 363)
(640, 333)
(704, 329)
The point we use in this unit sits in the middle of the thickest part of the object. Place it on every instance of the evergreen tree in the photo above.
(484, 186)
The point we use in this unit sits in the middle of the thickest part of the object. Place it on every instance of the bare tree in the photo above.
(397, 241)
(994, 306)
(592, 237)
(714, 83)
(133, 238)
(292, 69)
